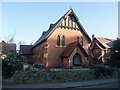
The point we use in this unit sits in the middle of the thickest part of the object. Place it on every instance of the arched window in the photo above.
(63, 41)
(58, 40)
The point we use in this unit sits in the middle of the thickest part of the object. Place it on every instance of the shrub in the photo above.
(12, 63)
(114, 60)
(43, 76)
(115, 57)
(101, 70)
(27, 66)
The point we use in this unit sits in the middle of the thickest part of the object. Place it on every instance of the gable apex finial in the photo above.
(71, 8)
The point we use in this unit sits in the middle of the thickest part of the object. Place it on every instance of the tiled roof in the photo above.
(26, 49)
(71, 47)
(54, 26)
(107, 43)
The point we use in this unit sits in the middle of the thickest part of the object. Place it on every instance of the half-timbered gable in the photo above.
(101, 49)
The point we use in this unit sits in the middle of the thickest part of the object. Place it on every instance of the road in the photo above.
(105, 83)
(110, 85)
(116, 86)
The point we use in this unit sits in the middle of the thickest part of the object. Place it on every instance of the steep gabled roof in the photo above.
(99, 46)
(106, 43)
(54, 26)
(71, 48)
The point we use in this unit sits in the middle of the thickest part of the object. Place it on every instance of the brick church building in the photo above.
(66, 43)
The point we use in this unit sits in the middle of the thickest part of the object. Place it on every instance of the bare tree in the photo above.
(11, 39)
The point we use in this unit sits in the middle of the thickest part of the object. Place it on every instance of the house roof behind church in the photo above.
(107, 43)
(11, 46)
(54, 26)
(71, 47)
(26, 49)
(7, 47)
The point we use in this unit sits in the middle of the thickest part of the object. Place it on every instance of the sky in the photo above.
(27, 20)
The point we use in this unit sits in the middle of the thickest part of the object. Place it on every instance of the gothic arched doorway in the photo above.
(77, 59)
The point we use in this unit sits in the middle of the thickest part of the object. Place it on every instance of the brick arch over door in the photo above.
(77, 60)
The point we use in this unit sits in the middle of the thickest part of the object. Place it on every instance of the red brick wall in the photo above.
(70, 32)
(69, 63)
(38, 53)
(55, 52)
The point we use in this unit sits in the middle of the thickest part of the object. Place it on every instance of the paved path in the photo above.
(64, 85)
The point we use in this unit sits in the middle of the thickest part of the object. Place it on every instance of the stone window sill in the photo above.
(59, 46)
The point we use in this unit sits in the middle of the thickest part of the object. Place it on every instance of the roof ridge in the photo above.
(50, 31)
(105, 38)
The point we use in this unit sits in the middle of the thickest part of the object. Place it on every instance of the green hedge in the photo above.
(55, 75)
(43, 76)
